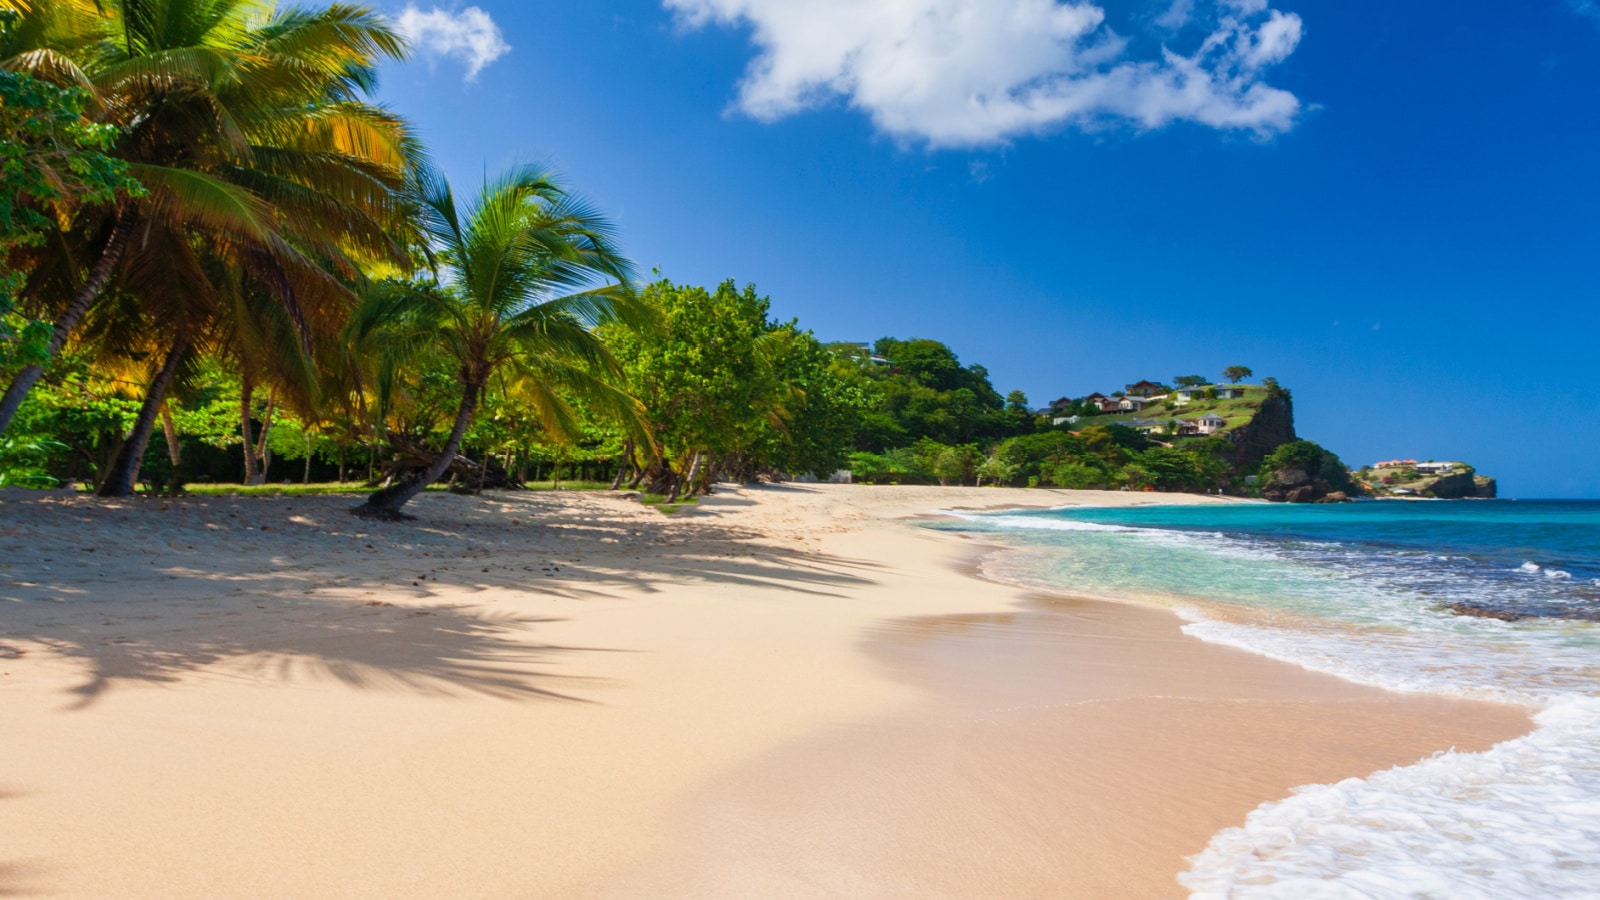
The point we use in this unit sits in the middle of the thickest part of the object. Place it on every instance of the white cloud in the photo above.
(1590, 8)
(467, 35)
(976, 72)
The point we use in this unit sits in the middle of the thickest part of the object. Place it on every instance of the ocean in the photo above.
(1494, 600)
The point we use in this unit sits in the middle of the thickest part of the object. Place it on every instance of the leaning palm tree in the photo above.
(244, 125)
(526, 271)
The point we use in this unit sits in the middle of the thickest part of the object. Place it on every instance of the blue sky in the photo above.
(1392, 207)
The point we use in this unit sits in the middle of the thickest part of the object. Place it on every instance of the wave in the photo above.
(1522, 819)
(1519, 820)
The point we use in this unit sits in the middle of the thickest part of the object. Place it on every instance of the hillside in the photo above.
(1401, 479)
(1254, 424)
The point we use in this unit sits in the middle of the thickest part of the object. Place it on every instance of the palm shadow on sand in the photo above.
(161, 623)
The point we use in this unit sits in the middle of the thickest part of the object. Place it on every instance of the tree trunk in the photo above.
(306, 478)
(174, 449)
(341, 462)
(116, 246)
(124, 474)
(246, 390)
(693, 479)
(623, 466)
(263, 454)
(385, 504)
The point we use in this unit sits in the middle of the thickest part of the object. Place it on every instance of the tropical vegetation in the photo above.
(208, 228)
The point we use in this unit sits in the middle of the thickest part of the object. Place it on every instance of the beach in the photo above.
(784, 691)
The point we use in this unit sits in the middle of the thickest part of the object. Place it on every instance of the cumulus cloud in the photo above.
(1590, 8)
(468, 36)
(963, 73)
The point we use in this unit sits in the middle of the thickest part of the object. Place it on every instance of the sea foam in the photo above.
(1519, 820)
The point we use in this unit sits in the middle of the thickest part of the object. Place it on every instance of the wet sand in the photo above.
(786, 692)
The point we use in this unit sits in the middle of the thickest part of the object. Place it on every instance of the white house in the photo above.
(1223, 391)
(1131, 404)
(1438, 468)
(1210, 423)
(1066, 420)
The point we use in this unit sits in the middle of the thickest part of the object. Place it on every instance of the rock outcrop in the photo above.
(1295, 486)
(1453, 487)
(1272, 427)
(1485, 488)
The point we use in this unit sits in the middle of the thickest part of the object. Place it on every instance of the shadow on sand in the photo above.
(280, 589)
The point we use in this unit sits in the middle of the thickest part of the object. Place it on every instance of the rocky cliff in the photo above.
(1272, 427)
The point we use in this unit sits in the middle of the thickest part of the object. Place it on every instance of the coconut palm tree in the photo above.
(246, 128)
(526, 271)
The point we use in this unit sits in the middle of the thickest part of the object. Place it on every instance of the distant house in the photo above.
(1131, 404)
(1438, 468)
(1066, 420)
(1395, 464)
(1062, 403)
(1208, 424)
(1222, 392)
(1145, 389)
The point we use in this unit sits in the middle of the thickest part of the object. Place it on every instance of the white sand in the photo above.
(264, 697)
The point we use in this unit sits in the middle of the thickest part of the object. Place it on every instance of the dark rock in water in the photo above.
(1485, 488)
(1484, 612)
(1571, 614)
(1305, 493)
(1335, 497)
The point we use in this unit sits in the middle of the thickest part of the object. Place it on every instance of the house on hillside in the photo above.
(1206, 425)
(1145, 389)
(1119, 405)
(1066, 420)
(1395, 464)
(1438, 468)
(1222, 392)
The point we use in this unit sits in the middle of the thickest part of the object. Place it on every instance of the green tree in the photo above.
(1184, 381)
(1236, 374)
(257, 157)
(52, 162)
(527, 272)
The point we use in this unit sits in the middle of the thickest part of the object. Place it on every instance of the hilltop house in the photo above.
(1145, 389)
(1438, 468)
(1395, 464)
(1119, 405)
(1223, 392)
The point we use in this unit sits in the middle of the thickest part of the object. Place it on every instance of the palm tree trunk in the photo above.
(262, 451)
(624, 466)
(245, 392)
(385, 504)
(116, 246)
(124, 474)
(174, 448)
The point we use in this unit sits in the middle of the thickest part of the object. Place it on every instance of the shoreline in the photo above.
(523, 695)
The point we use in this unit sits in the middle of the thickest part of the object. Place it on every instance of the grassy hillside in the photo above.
(1236, 413)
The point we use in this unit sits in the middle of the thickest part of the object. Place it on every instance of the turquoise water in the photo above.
(1493, 600)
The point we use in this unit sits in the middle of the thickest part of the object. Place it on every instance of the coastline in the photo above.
(584, 697)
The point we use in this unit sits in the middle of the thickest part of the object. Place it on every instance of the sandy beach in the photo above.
(789, 691)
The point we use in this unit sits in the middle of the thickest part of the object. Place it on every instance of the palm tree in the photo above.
(246, 128)
(526, 271)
